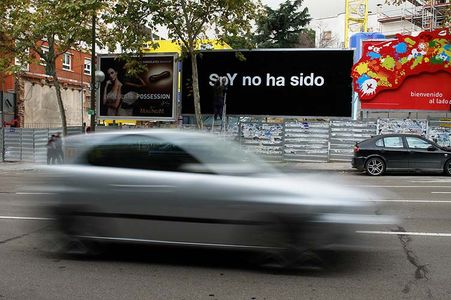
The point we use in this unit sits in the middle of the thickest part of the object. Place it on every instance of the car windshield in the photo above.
(224, 157)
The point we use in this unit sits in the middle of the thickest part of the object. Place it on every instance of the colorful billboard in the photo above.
(407, 73)
(273, 82)
(149, 94)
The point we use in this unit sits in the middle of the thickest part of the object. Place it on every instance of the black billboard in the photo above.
(274, 82)
(149, 94)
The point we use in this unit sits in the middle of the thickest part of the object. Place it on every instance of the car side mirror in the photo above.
(431, 148)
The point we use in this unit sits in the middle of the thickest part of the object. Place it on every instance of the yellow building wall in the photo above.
(169, 46)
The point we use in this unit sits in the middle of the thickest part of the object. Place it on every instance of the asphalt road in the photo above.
(393, 265)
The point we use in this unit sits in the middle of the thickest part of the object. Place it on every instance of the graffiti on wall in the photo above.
(440, 132)
(267, 132)
(440, 135)
(263, 138)
(386, 126)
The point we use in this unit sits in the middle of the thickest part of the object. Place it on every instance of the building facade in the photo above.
(34, 93)
(411, 17)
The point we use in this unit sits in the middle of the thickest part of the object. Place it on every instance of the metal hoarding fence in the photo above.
(283, 141)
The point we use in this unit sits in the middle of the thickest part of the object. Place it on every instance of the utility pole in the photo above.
(93, 74)
(2, 113)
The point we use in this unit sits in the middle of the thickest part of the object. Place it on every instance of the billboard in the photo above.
(425, 91)
(274, 82)
(408, 73)
(149, 94)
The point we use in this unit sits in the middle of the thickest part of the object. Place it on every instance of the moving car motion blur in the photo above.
(192, 189)
(400, 152)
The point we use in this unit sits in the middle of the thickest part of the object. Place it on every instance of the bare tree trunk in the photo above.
(196, 93)
(50, 69)
(60, 103)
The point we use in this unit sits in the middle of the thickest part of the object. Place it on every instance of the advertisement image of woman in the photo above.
(112, 93)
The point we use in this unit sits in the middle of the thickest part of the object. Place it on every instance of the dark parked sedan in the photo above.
(400, 152)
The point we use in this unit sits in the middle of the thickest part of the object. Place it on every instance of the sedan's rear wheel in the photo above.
(448, 167)
(375, 166)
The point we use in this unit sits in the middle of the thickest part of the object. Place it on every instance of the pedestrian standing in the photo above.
(219, 92)
(59, 148)
(51, 149)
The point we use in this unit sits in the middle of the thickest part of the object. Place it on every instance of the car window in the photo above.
(140, 152)
(223, 156)
(380, 143)
(417, 143)
(393, 142)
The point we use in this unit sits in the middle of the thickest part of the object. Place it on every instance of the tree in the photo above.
(326, 38)
(27, 25)
(282, 27)
(306, 39)
(187, 21)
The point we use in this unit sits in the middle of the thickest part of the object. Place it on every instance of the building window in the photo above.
(45, 51)
(23, 66)
(67, 61)
(87, 67)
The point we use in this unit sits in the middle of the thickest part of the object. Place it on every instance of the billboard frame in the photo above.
(175, 80)
(191, 114)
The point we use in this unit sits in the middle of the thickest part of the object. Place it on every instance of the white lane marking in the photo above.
(33, 193)
(432, 181)
(406, 233)
(402, 186)
(440, 192)
(25, 218)
(411, 201)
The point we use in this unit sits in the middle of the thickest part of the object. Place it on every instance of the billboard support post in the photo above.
(355, 106)
(224, 113)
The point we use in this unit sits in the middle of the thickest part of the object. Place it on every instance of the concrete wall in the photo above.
(41, 107)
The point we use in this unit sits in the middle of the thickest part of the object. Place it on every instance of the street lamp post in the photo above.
(93, 77)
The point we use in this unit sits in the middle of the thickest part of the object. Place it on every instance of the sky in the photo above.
(324, 8)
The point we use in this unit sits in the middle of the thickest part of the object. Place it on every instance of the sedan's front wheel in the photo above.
(448, 167)
(289, 248)
(375, 166)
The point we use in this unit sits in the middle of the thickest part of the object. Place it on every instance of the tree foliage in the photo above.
(27, 25)
(186, 21)
(282, 27)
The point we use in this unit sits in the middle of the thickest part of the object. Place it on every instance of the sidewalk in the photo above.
(17, 166)
(317, 166)
(286, 166)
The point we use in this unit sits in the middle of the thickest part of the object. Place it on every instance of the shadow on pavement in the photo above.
(332, 262)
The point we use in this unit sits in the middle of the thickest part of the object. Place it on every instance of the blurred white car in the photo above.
(191, 189)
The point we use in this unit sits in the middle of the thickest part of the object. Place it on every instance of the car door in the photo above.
(144, 193)
(423, 155)
(134, 186)
(395, 153)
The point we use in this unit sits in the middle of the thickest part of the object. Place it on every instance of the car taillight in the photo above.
(356, 149)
